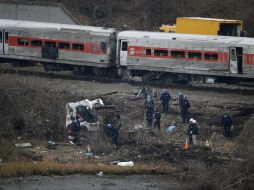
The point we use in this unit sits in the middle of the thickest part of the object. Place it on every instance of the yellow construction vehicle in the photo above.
(207, 26)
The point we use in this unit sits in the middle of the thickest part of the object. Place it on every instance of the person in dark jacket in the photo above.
(75, 130)
(193, 132)
(180, 101)
(226, 121)
(185, 109)
(115, 131)
(149, 106)
(165, 98)
(157, 119)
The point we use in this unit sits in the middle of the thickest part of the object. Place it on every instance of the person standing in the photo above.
(115, 131)
(165, 98)
(157, 119)
(226, 121)
(193, 132)
(185, 109)
(149, 106)
(180, 101)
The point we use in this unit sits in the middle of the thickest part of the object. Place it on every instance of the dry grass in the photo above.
(11, 169)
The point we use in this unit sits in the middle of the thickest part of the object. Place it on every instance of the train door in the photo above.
(1, 42)
(6, 42)
(123, 52)
(236, 60)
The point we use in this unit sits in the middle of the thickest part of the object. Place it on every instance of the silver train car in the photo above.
(155, 54)
(57, 46)
(105, 51)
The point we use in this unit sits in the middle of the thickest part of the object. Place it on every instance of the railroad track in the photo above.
(241, 88)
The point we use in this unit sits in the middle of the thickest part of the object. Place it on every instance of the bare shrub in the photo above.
(30, 111)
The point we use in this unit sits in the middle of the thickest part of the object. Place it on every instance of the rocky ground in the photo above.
(38, 105)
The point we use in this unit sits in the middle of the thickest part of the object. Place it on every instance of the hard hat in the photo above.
(192, 120)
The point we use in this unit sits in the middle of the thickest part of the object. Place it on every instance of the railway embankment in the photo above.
(34, 111)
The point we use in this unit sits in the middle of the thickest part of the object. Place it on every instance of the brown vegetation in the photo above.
(11, 169)
(27, 110)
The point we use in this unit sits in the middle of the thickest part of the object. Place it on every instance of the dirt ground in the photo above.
(136, 142)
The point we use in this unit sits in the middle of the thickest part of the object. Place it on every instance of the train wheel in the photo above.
(99, 72)
(146, 77)
(167, 79)
(78, 70)
(46, 67)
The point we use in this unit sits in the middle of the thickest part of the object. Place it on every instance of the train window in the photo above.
(160, 52)
(50, 44)
(23, 42)
(211, 56)
(1, 36)
(63, 45)
(79, 47)
(124, 46)
(6, 37)
(233, 55)
(178, 54)
(148, 52)
(103, 46)
(195, 55)
(36, 43)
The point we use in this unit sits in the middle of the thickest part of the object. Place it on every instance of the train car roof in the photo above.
(184, 37)
(14, 24)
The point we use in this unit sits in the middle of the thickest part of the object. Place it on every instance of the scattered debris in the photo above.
(88, 154)
(171, 128)
(136, 127)
(71, 142)
(100, 174)
(126, 164)
(23, 145)
(114, 162)
(38, 158)
(51, 145)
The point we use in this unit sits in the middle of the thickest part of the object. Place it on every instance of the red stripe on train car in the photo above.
(139, 51)
(92, 48)
(248, 59)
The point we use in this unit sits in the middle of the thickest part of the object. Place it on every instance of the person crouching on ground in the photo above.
(193, 132)
(157, 119)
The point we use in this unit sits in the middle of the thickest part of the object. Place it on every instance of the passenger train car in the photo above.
(105, 51)
(57, 45)
(167, 54)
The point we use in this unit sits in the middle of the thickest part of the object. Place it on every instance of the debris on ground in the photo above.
(100, 174)
(23, 145)
(52, 145)
(126, 164)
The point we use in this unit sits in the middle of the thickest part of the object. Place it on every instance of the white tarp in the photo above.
(71, 108)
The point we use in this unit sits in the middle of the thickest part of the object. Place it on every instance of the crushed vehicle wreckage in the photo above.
(82, 112)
